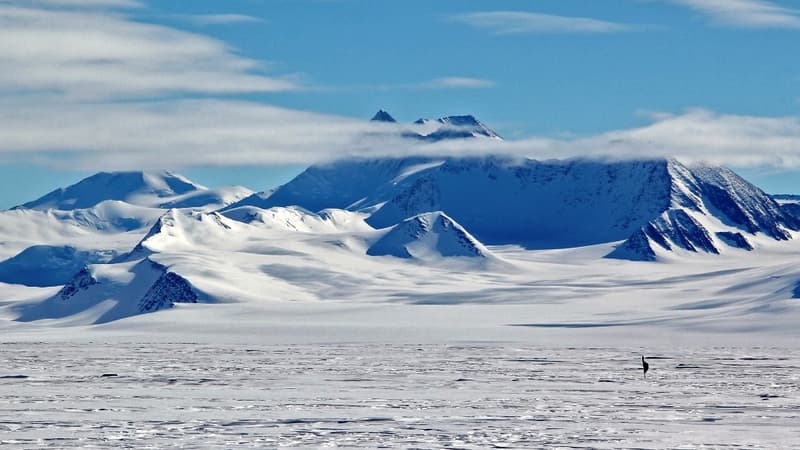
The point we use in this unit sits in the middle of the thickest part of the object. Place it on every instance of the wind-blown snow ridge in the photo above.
(295, 218)
(178, 229)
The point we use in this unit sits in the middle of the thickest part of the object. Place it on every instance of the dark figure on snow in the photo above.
(645, 367)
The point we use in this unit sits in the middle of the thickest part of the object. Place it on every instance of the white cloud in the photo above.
(189, 133)
(216, 19)
(744, 13)
(78, 3)
(457, 83)
(697, 135)
(99, 53)
(452, 82)
(177, 133)
(516, 22)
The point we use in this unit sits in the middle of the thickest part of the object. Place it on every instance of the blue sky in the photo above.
(140, 83)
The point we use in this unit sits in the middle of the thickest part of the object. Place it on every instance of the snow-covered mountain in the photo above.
(136, 283)
(390, 226)
(137, 188)
(44, 242)
(429, 236)
(710, 207)
(161, 189)
(366, 182)
(572, 203)
(552, 204)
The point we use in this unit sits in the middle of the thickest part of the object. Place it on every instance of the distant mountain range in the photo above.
(148, 240)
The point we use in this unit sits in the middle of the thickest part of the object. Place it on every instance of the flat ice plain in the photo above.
(395, 396)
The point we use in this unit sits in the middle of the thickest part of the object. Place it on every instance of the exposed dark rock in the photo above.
(170, 288)
(734, 239)
(81, 281)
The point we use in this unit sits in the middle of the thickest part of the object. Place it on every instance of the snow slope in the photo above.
(108, 292)
(350, 184)
(208, 199)
(49, 265)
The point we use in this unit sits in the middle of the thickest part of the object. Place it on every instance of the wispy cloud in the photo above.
(744, 13)
(223, 132)
(696, 135)
(78, 3)
(517, 22)
(216, 19)
(96, 53)
(440, 83)
(457, 83)
(178, 133)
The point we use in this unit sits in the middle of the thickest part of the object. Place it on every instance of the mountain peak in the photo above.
(454, 127)
(466, 120)
(383, 116)
(428, 236)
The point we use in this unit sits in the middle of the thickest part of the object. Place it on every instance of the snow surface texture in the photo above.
(470, 396)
